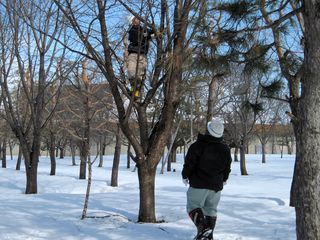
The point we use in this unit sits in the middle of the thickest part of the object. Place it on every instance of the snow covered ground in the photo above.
(252, 207)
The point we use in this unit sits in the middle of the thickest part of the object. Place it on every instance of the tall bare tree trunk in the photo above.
(61, 150)
(18, 165)
(85, 141)
(170, 160)
(243, 149)
(235, 155)
(73, 149)
(86, 200)
(273, 144)
(31, 185)
(104, 146)
(57, 152)
(31, 164)
(116, 159)
(147, 183)
(4, 153)
(263, 149)
(101, 143)
(84, 149)
(289, 147)
(52, 154)
(173, 156)
(128, 156)
(11, 146)
(305, 192)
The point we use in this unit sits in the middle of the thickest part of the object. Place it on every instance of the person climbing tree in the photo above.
(139, 38)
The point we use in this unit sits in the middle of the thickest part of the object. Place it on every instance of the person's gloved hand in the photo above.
(185, 181)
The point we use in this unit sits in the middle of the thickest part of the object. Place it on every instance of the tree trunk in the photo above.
(31, 164)
(243, 167)
(235, 155)
(170, 160)
(86, 200)
(52, 162)
(84, 149)
(4, 153)
(52, 148)
(273, 145)
(263, 149)
(57, 152)
(128, 155)
(61, 150)
(147, 195)
(101, 151)
(85, 141)
(104, 146)
(305, 193)
(11, 145)
(116, 160)
(174, 153)
(73, 153)
(98, 147)
(289, 148)
(18, 165)
(83, 161)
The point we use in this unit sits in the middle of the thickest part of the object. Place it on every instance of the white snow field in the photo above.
(252, 207)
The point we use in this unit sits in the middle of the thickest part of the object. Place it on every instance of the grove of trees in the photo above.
(253, 63)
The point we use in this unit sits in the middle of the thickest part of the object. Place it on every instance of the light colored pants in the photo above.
(205, 199)
(136, 67)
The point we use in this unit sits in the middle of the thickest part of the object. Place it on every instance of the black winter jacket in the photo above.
(207, 164)
(139, 38)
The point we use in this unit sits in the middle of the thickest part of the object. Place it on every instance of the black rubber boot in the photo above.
(210, 222)
(197, 218)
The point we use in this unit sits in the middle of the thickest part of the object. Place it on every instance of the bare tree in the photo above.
(241, 113)
(32, 54)
(168, 69)
(166, 159)
(267, 120)
(83, 98)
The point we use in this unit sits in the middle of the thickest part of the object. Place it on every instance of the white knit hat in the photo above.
(215, 128)
(130, 18)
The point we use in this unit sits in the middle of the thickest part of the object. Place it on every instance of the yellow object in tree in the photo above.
(137, 93)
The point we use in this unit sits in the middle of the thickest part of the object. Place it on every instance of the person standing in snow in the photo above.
(206, 169)
(139, 38)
